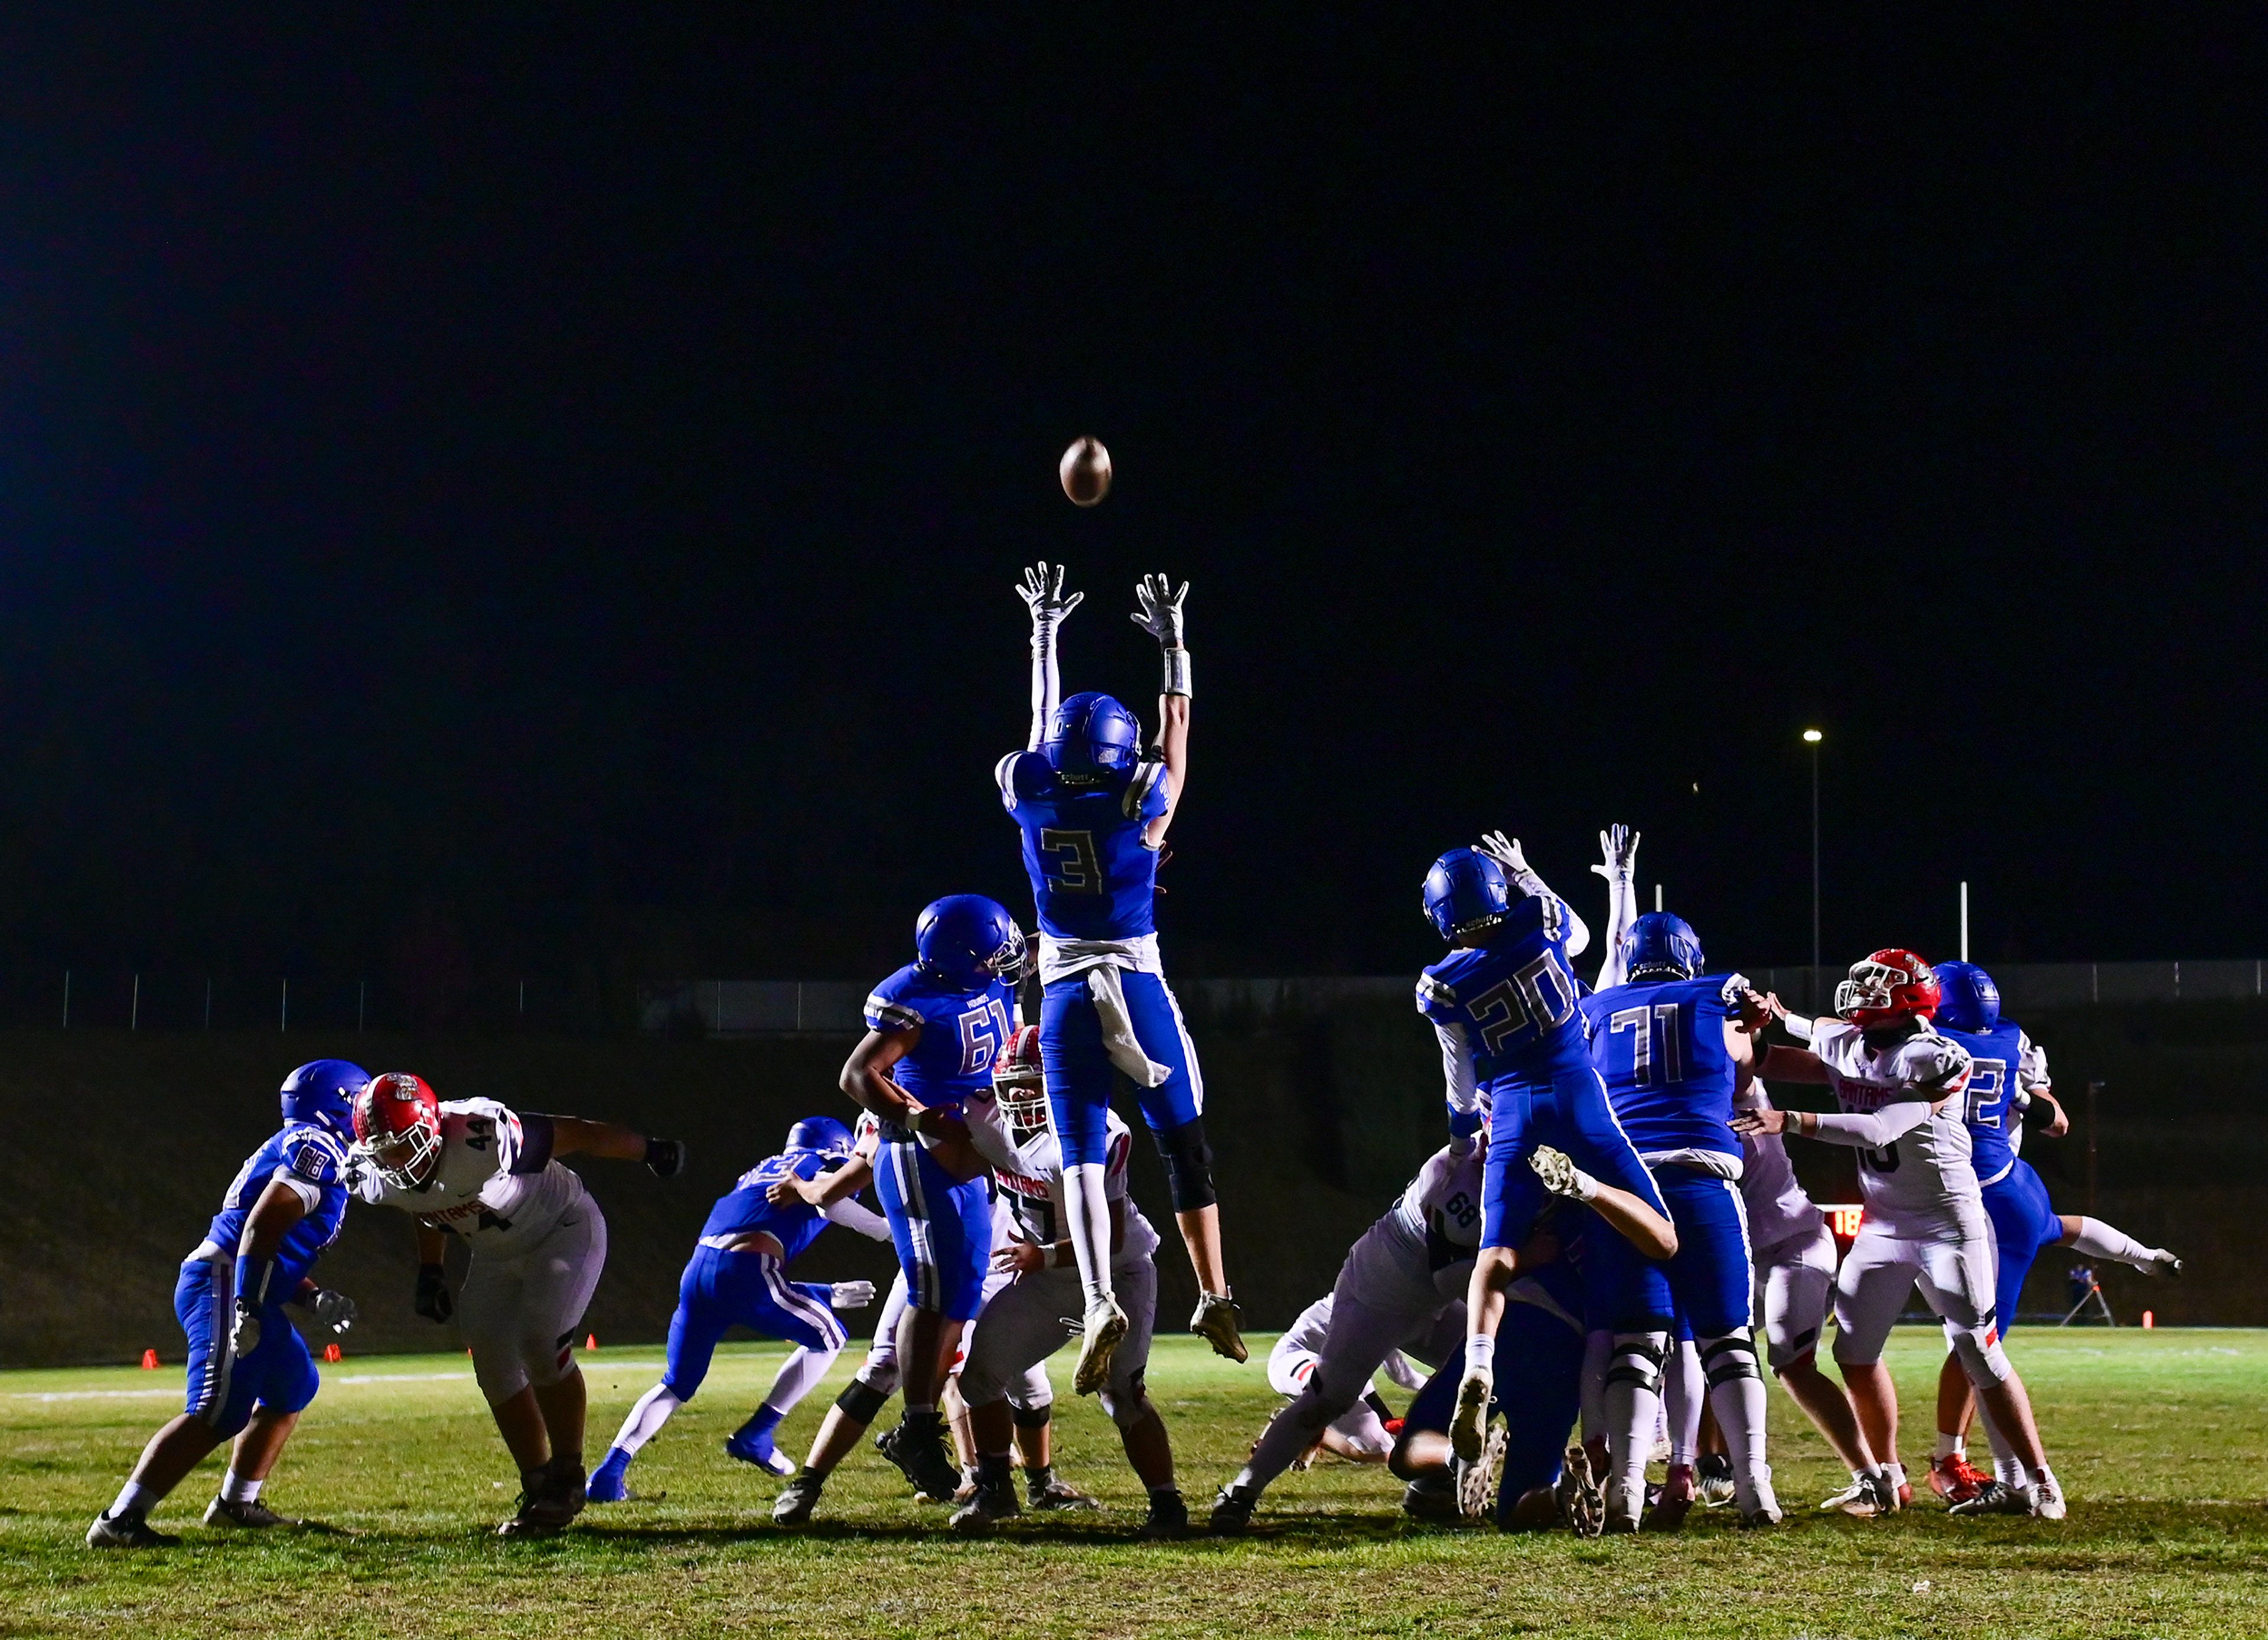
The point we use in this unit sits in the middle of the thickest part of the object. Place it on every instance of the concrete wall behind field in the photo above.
(118, 1147)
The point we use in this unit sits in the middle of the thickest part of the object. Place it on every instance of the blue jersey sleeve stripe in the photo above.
(884, 1015)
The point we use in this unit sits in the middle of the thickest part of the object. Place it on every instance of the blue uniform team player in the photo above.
(738, 1277)
(1503, 1003)
(2011, 1071)
(1093, 805)
(1673, 1045)
(933, 1029)
(250, 1375)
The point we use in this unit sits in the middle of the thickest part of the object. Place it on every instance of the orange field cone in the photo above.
(592, 1342)
(2149, 1320)
(149, 1360)
(331, 1352)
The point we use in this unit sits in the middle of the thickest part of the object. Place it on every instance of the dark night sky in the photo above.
(561, 475)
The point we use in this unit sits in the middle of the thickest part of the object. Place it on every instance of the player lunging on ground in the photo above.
(1093, 807)
(250, 1376)
(474, 1169)
(737, 1277)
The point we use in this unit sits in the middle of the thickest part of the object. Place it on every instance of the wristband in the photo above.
(251, 1278)
(1177, 673)
(1053, 1256)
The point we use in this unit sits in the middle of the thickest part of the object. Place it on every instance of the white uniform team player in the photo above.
(1359, 1434)
(474, 1169)
(1039, 1309)
(1900, 1086)
(1400, 1288)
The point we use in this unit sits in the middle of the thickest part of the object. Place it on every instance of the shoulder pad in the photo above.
(1735, 987)
(1434, 996)
(1024, 775)
(886, 1008)
(1146, 791)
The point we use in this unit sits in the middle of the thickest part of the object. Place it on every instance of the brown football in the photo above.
(1084, 470)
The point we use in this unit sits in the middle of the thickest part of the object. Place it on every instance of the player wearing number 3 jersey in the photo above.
(1094, 804)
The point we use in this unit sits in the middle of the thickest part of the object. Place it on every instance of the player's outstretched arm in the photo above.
(573, 1135)
(1159, 614)
(1618, 844)
(1505, 851)
(1868, 1130)
(1049, 605)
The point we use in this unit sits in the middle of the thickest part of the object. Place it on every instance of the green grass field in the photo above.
(2159, 1438)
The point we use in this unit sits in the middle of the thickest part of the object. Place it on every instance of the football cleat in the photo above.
(1676, 1499)
(1954, 1479)
(249, 1514)
(1474, 1391)
(1476, 1482)
(1057, 1494)
(757, 1449)
(1997, 1497)
(1104, 1326)
(989, 1505)
(1866, 1499)
(1231, 1511)
(607, 1483)
(2047, 1499)
(1715, 1475)
(1558, 1170)
(548, 1505)
(1581, 1504)
(797, 1500)
(1218, 1322)
(1624, 1505)
(1168, 1517)
(127, 1532)
(1765, 1511)
(1438, 1498)
(919, 1454)
(2162, 1263)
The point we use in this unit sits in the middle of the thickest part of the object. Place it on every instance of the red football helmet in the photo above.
(1017, 1082)
(397, 1127)
(1892, 984)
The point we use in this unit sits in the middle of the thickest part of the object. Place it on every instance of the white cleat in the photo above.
(1476, 1482)
(1474, 1391)
(1624, 1503)
(1558, 1170)
(2047, 1499)
(1105, 1326)
(1218, 1323)
(2162, 1263)
(1763, 1510)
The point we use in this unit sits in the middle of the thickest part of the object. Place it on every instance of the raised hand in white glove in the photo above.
(851, 1295)
(1505, 851)
(1046, 600)
(334, 1310)
(1619, 846)
(1160, 614)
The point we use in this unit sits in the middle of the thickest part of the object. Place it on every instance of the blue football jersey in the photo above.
(1998, 1054)
(1659, 1047)
(313, 1156)
(743, 1209)
(1516, 998)
(961, 1033)
(1093, 876)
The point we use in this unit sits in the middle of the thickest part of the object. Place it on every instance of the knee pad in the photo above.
(549, 1364)
(1188, 1166)
(1979, 1346)
(1031, 1417)
(1728, 1359)
(862, 1400)
(1637, 1361)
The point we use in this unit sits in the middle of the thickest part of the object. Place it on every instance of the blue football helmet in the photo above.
(966, 941)
(1967, 998)
(1091, 738)
(1465, 893)
(1663, 945)
(322, 1091)
(820, 1135)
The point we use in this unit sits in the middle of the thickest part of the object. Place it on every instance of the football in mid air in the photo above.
(1084, 470)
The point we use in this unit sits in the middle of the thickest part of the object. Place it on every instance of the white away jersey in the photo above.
(1034, 1192)
(495, 1183)
(1923, 1184)
(1779, 1210)
(1443, 1205)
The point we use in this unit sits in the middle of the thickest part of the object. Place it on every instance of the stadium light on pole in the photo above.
(1811, 738)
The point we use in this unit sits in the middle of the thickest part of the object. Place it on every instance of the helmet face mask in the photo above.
(1890, 986)
(1020, 1085)
(397, 1128)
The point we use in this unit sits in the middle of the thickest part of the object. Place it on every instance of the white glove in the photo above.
(244, 1329)
(1505, 851)
(1160, 614)
(1046, 603)
(1619, 845)
(851, 1295)
(334, 1310)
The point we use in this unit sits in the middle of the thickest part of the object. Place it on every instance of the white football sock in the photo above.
(1949, 1446)
(1742, 1405)
(1682, 1391)
(234, 1489)
(650, 1412)
(1088, 1212)
(134, 1498)
(2098, 1240)
(1480, 1355)
(798, 1375)
(2007, 1466)
(1633, 1396)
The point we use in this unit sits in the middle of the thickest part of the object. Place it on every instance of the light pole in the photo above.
(1811, 738)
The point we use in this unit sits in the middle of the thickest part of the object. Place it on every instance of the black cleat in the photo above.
(918, 1451)
(127, 1532)
(1168, 1517)
(797, 1500)
(1231, 1511)
(249, 1514)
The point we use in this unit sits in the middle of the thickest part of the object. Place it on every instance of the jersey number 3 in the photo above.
(1072, 865)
